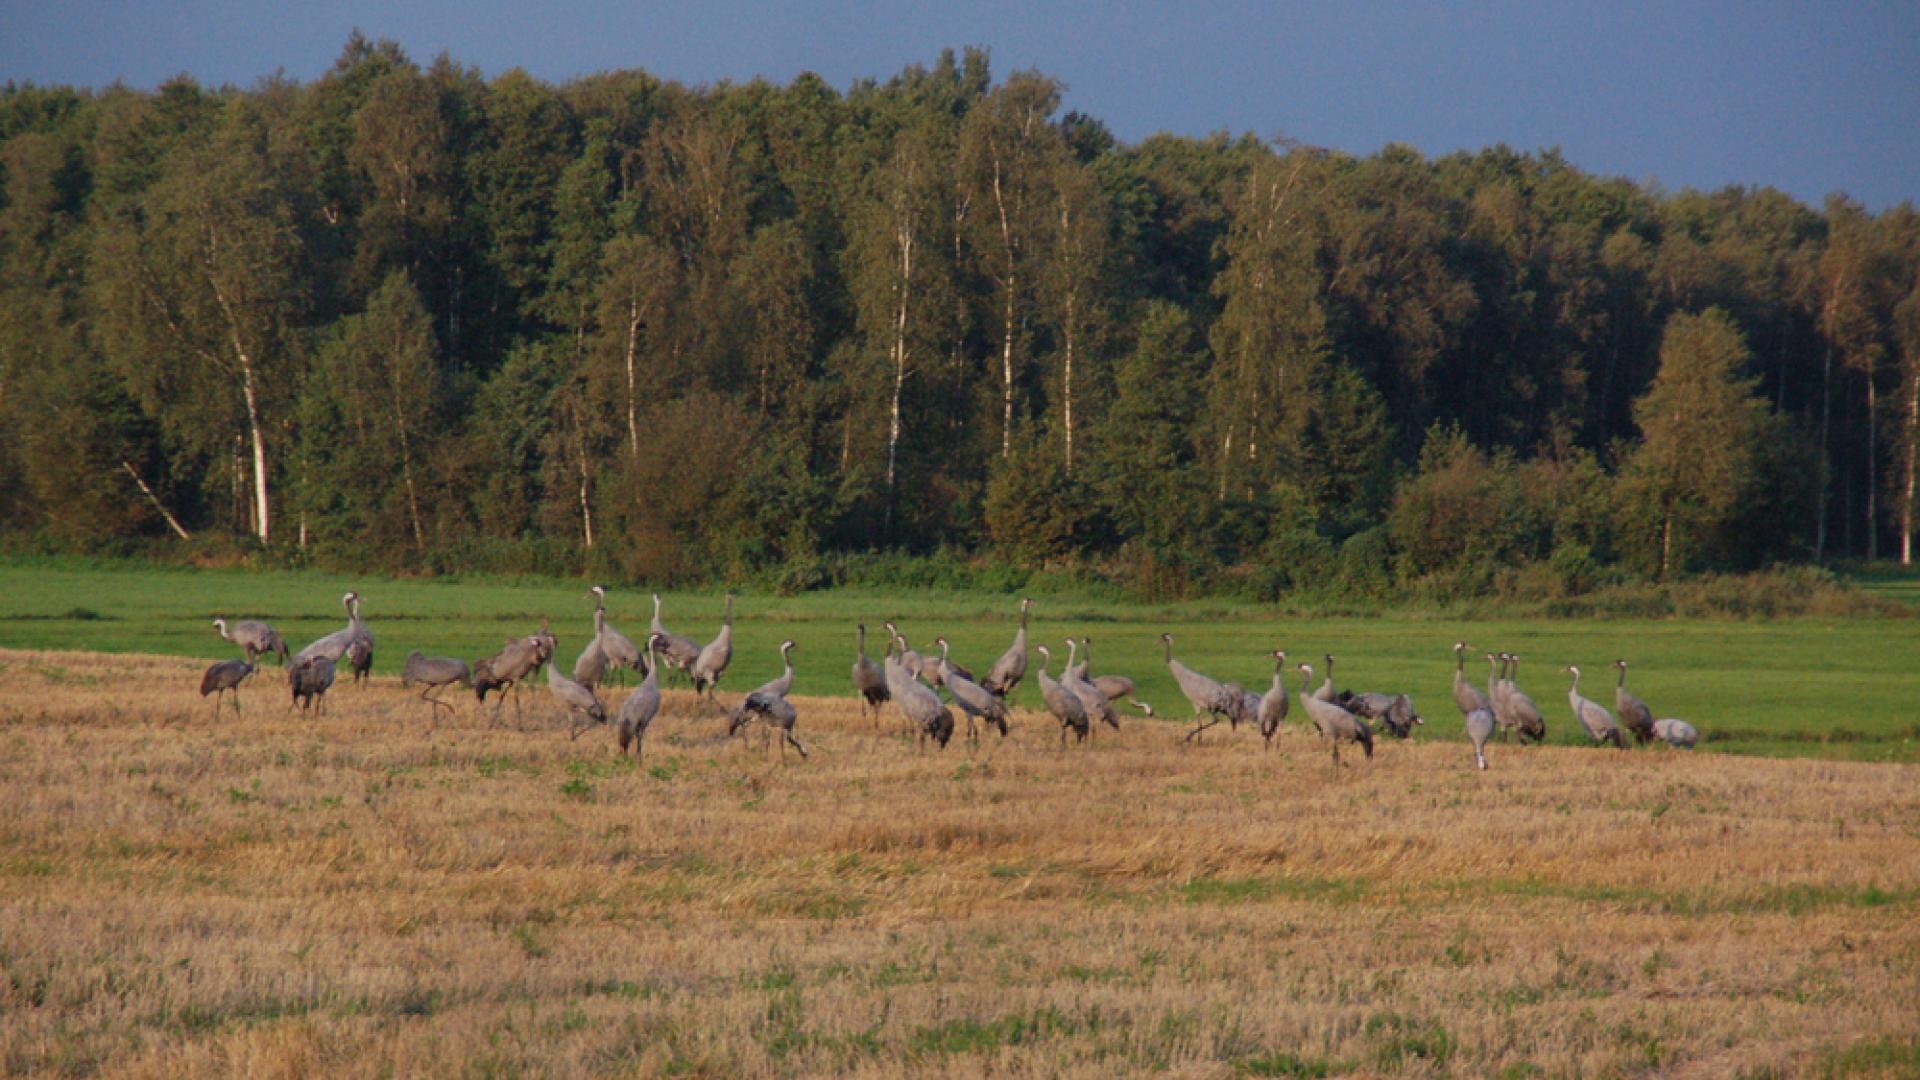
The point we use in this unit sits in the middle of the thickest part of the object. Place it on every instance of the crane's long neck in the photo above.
(1493, 678)
(1622, 684)
(1460, 662)
(1280, 673)
(787, 661)
(1072, 651)
(599, 621)
(1168, 643)
(729, 619)
(863, 641)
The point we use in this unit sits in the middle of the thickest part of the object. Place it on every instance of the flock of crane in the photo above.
(1078, 699)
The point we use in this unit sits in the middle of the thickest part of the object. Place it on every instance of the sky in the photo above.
(1810, 98)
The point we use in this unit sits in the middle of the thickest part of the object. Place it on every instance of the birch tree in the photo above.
(201, 292)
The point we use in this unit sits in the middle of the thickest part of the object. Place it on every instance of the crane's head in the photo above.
(1621, 664)
(656, 642)
(1279, 654)
(1307, 670)
(786, 647)
(1572, 670)
(220, 625)
(1025, 604)
(1168, 638)
(1043, 651)
(1459, 647)
(942, 642)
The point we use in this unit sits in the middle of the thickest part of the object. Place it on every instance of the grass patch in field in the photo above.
(1257, 890)
(1289, 1065)
(1893, 1056)
(969, 1035)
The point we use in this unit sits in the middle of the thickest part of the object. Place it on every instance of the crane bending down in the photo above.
(225, 676)
(434, 673)
(255, 638)
(581, 703)
(769, 704)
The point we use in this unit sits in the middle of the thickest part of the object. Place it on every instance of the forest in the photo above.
(409, 318)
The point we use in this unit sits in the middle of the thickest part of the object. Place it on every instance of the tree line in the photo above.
(410, 316)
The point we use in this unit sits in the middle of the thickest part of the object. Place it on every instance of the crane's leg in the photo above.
(796, 746)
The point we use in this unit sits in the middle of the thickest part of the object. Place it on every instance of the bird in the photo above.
(1480, 724)
(939, 671)
(769, 704)
(1273, 704)
(360, 660)
(580, 702)
(1465, 695)
(910, 661)
(1395, 712)
(641, 706)
(1675, 733)
(1114, 686)
(617, 647)
(1598, 722)
(1208, 697)
(1523, 714)
(434, 673)
(868, 679)
(1098, 706)
(1064, 704)
(679, 651)
(713, 660)
(227, 675)
(1335, 724)
(1006, 672)
(255, 638)
(1325, 690)
(333, 646)
(1634, 714)
(310, 680)
(511, 666)
(591, 667)
(359, 645)
(919, 706)
(972, 699)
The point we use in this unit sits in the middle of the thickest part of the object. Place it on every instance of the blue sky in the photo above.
(1809, 98)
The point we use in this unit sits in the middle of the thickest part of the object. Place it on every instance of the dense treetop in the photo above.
(410, 316)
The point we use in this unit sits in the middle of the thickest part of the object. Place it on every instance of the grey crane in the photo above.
(1114, 686)
(1325, 690)
(359, 645)
(641, 706)
(919, 706)
(1465, 695)
(511, 666)
(1243, 705)
(360, 661)
(227, 675)
(713, 660)
(1675, 733)
(1395, 712)
(1524, 716)
(1273, 704)
(591, 666)
(1598, 722)
(910, 661)
(581, 703)
(334, 646)
(972, 699)
(1063, 703)
(255, 638)
(618, 648)
(679, 651)
(434, 673)
(937, 672)
(1006, 672)
(869, 680)
(310, 680)
(1499, 691)
(1208, 697)
(1634, 714)
(769, 704)
(1097, 704)
(1480, 724)
(1334, 723)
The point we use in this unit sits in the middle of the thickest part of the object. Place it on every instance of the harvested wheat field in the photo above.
(361, 893)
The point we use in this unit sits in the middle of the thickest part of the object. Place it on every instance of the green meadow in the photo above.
(1826, 687)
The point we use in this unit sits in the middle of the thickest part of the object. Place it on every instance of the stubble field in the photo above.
(361, 894)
